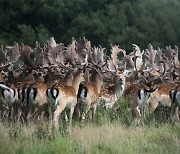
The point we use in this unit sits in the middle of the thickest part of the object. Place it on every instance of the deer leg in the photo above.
(77, 111)
(152, 106)
(70, 118)
(84, 112)
(176, 112)
(94, 111)
(19, 114)
(137, 115)
(57, 113)
(11, 113)
(39, 110)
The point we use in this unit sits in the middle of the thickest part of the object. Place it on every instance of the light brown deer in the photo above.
(61, 96)
(89, 90)
(138, 96)
(111, 92)
(64, 94)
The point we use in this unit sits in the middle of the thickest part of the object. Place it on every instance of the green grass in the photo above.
(109, 133)
(107, 138)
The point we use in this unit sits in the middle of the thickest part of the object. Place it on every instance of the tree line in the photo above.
(104, 22)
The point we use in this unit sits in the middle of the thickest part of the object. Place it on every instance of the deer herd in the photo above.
(42, 82)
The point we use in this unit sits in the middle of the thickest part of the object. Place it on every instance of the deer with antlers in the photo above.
(64, 94)
(89, 90)
(111, 92)
(136, 91)
(138, 96)
(8, 91)
(31, 92)
(165, 85)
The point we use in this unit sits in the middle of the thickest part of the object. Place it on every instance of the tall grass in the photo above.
(111, 132)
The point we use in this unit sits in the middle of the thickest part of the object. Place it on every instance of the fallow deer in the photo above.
(89, 90)
(111, 93)
(161, 99)
(61, 96)
(138, 96)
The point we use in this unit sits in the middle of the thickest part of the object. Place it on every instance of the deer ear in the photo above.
(150, 90)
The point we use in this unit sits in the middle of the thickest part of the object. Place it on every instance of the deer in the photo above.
(26, 84)
(37, 92)
(137, 91)
(61, 96)
(8, 91)
(64, 94)
(88, 93)
(43, 78)
(161, 97)
(111, 92)
(138, 96)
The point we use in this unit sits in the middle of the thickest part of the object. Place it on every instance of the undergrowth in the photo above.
(111, 131)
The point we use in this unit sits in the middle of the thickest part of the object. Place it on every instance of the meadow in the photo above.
(108, 133)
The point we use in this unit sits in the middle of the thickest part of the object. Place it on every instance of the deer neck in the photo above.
(68, 79)
(29, 78)
(97, 80)
(119, 87)
(86, 75)
(76, 81)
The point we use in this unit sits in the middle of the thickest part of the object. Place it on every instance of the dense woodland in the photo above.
(104, 22)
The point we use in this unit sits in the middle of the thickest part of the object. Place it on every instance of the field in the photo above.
(105, 135)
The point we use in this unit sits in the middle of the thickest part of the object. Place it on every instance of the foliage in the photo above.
(103, 22)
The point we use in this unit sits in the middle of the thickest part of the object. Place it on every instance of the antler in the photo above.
(129, 62)
(150, 54)
(56, 54)
(81, 50)
(71, 52)
(137, 57)
(115, 50)
(52, 42)
(111, 66)
(99, 55)
(38, 55)
(158, 56)
(14, 54)
(169, 52)
(176, 60)
(25, 55)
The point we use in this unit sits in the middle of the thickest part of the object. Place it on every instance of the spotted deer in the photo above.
(89, 90)
(111, 92)
(8, 91)
(61, 96)
(138, 96)
(64, 94)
